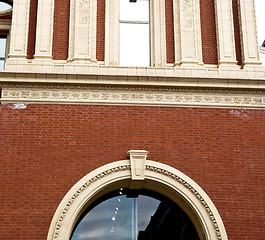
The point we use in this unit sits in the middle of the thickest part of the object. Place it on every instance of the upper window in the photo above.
(5, 6)
(134, 29)
(125, 215)
(3, 40)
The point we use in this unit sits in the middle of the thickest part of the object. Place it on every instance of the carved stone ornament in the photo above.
(143, 96)
(117, 172)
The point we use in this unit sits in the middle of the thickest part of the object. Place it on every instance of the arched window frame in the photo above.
(9, 11)
(138, 173)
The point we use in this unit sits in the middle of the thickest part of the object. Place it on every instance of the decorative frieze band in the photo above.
(143, 96)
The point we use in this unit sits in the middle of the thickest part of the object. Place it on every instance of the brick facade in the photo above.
(46, 149)
(61, 31)
(205, 121)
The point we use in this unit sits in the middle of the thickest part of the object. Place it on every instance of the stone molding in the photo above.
(133, 95)
(225, 33)
(83, 28)
(208, 220)
(188, 46)
(249, 38)
(19, 29)
(44, 32)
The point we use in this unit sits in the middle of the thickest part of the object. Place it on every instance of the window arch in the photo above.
(5, 7)
(138, 173)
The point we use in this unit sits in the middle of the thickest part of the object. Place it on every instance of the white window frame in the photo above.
(157, 33)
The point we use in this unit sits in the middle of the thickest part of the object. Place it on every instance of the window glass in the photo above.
(134, 11)
(134, 42)
(2, 51)
(148, 216)
(134, 45)
(4, 6)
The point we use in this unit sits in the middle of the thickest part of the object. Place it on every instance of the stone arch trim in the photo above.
(120, 174)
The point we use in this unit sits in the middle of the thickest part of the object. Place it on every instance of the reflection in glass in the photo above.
(134, 33)
(123, 216)
(2, 51)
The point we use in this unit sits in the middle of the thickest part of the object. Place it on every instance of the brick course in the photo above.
(208, 32)
(32, 28)
(170, 31)
(61, 29)
(46, 149)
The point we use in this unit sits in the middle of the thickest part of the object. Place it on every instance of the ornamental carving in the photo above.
(83, 11)
(133, 95)
(188, 12)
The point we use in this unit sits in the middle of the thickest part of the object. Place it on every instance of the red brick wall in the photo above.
(46, 149)
(61, 29)
(32, 28)
(237, 32)
(170, 31)
(100, 30)
(208, 29)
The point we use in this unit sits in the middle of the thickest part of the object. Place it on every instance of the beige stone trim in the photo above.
(225, 33)
(157, 35)
(188, 46)
(19, 29)
(112, 33)
(5, 24)
(83, 23)
(140, 96)
(137, 161)
(249, 38)
(157, 177)
(44, 32)
(6, 12)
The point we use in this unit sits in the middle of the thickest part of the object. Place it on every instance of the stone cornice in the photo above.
(128, 89)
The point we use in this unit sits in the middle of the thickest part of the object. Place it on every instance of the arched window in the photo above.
(134, 215)
(5, 7)
(161, 202)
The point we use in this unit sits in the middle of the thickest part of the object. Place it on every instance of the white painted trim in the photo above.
(157, 177)
(44, 32)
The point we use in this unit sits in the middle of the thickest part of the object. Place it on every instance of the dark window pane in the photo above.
(149, 216)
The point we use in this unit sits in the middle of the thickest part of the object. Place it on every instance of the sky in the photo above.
(260, 7)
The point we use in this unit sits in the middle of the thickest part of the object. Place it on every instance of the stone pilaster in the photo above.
(225, 33)
(248, 28)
